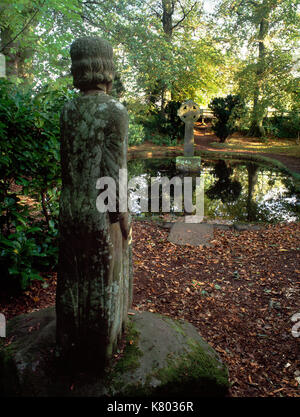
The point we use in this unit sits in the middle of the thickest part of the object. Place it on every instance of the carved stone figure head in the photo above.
(92, 63)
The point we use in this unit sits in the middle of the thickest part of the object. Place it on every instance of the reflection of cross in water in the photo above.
(2, 325)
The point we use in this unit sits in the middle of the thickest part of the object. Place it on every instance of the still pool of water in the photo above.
(233, 190)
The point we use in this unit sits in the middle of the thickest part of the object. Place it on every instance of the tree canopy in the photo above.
(165, 49)
(267, 31)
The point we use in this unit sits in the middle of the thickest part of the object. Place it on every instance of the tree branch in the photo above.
(185, 15)
(23, 29)
(173, 7)
(155, 12)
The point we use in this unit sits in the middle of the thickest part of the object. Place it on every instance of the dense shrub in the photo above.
(283, 126)
(164, 128)
(29, 166)
(136, 134)
(174, 125)
(227, 110)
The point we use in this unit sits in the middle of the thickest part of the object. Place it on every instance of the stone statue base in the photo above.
(188, 163)
(162, 357)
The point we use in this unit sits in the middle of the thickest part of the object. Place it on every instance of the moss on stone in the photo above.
(196, 371)
(130, 359)
(175, 324)
(138, 389)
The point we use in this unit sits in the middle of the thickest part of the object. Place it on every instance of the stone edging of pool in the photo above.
(238, 226)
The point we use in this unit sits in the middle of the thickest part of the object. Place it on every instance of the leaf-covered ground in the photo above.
(240, 293)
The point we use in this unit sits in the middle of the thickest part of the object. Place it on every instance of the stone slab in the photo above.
(162, 357)
(188, 163)
(194, 234)
(241, 227)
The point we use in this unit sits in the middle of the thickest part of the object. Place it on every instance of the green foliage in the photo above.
(178, 57)
(163, 128)
(160, 140)
(284, 126)
(35, 37)
(268, 75)
(227, 111)
(23, 245)
(118, 88)
(30, 166)
(30, 137)
(136, 133)
(18, 253)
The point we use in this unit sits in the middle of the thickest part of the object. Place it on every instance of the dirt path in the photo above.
(204, 138)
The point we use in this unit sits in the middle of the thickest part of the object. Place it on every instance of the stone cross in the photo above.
(189, 113)
(94, 284)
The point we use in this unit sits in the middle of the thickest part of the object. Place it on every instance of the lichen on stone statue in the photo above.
(94, 288)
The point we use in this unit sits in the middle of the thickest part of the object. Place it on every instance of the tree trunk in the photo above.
(167, 18)
(256, 127)
(258, 110)
(167, 21)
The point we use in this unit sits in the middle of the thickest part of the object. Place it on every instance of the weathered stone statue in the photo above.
(94, 288)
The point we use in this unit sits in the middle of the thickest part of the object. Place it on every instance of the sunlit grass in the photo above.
(271, 145)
